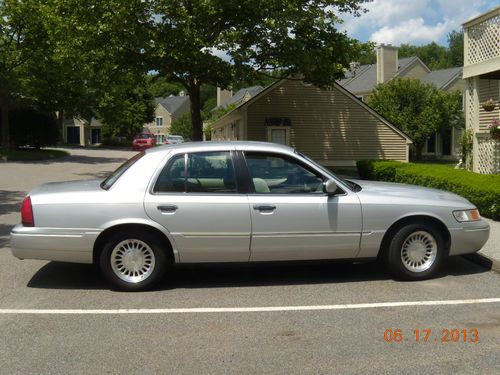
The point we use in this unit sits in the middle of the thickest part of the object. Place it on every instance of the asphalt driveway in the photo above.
(275, 319)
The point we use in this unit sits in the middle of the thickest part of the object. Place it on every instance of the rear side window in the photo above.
(113, 177)
(203, 172)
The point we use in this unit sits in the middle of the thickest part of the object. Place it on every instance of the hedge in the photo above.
(481, 190)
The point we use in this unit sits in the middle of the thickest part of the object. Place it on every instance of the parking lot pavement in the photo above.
(334, 339)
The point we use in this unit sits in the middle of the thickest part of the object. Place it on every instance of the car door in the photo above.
(292, 218)
(195, 197)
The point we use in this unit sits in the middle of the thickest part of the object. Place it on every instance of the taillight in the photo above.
(27, 213)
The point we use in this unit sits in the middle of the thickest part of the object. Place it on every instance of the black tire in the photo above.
(153, 251)
(400, 268)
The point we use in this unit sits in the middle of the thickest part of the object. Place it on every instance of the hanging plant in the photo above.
(494, 129)
(489, 105)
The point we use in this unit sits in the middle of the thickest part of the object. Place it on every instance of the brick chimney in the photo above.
(387, 62)
(223, 96)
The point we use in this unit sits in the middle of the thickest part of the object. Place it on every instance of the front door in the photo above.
(96, 136)
(292, 218)
(73, 135)
(195, 197)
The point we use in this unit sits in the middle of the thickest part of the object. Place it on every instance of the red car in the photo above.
(143, 141)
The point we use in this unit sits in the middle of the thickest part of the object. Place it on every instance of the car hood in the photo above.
(67, 187)
(390, 189)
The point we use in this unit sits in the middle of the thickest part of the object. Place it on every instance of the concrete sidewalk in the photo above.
(491, 251)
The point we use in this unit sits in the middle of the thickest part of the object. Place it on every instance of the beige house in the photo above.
(331, 126)
(81, 131)
(167, 110)
(361, 80)
(482, 75)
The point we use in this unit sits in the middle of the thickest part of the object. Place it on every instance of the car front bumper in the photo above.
(470, 238)
(57, 244)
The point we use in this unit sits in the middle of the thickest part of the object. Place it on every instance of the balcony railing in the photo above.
(482, 44)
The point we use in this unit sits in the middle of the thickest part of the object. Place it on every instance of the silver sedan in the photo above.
(240, 202)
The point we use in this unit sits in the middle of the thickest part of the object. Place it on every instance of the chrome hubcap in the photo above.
(419, 251)
(132, 261)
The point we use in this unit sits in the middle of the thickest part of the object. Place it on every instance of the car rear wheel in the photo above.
(133, 261)
(415, 252)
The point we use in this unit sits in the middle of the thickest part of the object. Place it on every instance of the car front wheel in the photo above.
(133, 261)
(415, 252)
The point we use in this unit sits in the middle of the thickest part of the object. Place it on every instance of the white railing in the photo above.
(482, 43)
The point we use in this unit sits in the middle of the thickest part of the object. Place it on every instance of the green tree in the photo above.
(23, 41)
(418, 109)
(125, 107)
(182, 126)
(213, 42)
(456, 48)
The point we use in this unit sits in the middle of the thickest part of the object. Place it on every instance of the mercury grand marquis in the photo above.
(240, 202)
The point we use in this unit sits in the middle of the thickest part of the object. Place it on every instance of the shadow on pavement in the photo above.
(4, 234)
(56, 275)
(79, 159)
(10, 201)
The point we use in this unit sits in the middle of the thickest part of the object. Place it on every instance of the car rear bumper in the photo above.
(470, 238)
(57, 244)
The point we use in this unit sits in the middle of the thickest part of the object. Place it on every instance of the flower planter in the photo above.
(489, 105)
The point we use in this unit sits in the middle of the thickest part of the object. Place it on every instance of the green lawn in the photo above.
(31, 154)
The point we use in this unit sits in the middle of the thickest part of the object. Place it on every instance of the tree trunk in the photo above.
(5, 127)
(419, 148)
(195, 98)
(60, 120)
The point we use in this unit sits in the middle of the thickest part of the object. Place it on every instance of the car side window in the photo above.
(173, 176)
(278, 174)
(205, 172)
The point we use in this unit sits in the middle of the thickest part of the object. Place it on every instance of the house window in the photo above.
(279, 134)
(159, 121)
(159, 139)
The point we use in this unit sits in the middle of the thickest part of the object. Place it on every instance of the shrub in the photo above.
(481, 190)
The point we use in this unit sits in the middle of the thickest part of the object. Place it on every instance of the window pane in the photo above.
(278, 136)
(211, 172)
(275, 174)
(172, 177)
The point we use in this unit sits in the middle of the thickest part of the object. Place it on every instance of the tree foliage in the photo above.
(418, 109)
(23, 42)
(432, 54)
(213, 42)
(182, 126)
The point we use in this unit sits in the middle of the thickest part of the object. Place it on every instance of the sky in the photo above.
(414, 22)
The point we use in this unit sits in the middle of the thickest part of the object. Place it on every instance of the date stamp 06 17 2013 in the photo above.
(445, 335)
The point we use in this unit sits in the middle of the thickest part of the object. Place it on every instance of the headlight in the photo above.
(467, 215)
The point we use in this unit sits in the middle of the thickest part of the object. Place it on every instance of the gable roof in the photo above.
(443, 77)
(172, 103)
(365, 78)
(241, 93)
(278, 83)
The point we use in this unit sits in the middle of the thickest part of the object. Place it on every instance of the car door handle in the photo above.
(168, 208)
(264, 207)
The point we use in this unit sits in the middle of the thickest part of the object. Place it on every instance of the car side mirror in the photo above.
(330, 187)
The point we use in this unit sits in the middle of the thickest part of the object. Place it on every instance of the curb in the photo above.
(489, 263)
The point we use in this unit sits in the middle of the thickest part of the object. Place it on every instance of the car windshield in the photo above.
(351, 185)
(111, 179)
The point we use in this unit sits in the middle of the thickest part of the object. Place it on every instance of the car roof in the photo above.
(221, 145)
